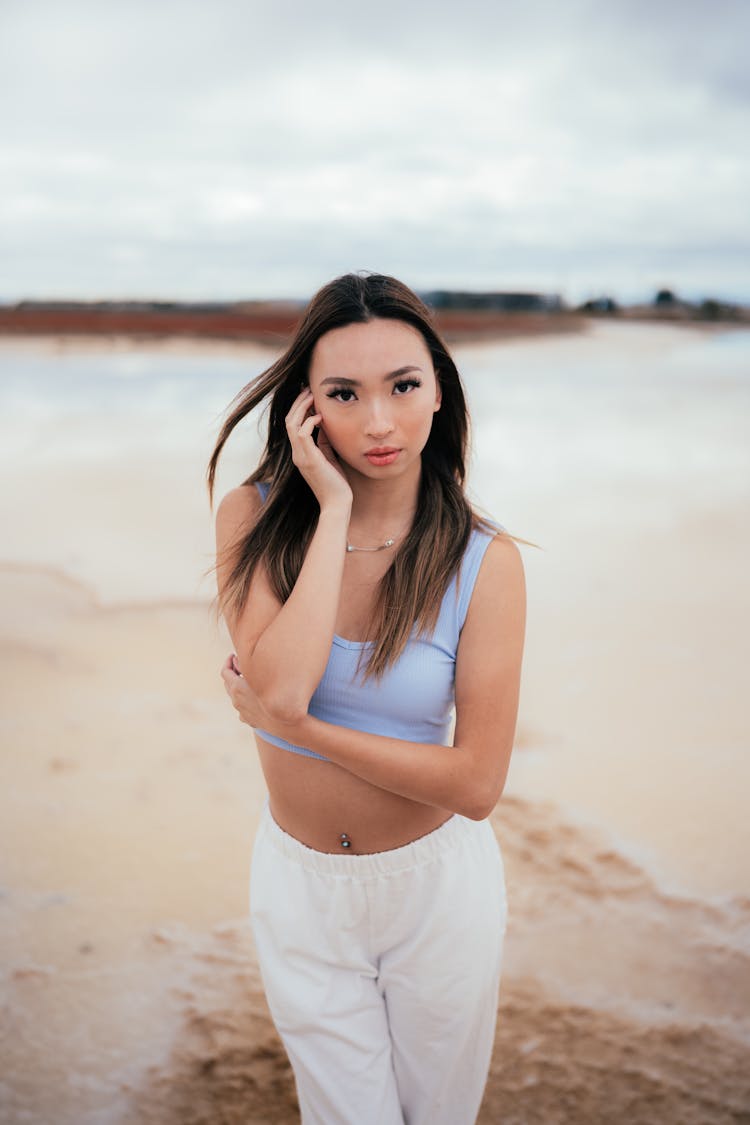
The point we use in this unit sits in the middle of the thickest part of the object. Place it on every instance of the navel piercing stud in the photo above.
(345, 841)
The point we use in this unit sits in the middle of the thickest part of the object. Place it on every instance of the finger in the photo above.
(304, 415)
(309, 424)
(303, 394)
(304, 449)
(325, 447)
(299, 407)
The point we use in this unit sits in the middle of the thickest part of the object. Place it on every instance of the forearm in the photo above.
(288, 660)
(448, 777)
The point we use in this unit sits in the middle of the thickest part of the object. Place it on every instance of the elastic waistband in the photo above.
(415, 854)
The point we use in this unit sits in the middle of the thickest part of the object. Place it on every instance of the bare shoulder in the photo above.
(500, 588)
(502, 561)
(235, 516)
(237, 511)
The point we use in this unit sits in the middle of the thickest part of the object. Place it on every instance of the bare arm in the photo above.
(468, 777)
(282, 650)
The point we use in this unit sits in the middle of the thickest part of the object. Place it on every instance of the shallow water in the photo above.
(130, 793)
(624, 452)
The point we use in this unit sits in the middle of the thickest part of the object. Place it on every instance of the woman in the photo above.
(365, 599)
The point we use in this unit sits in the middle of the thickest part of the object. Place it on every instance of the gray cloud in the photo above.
(238, 149)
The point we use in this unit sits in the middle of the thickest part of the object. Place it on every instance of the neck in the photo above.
(383, 508)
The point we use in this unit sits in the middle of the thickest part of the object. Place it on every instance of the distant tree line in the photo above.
(504, 302)
(667, 303)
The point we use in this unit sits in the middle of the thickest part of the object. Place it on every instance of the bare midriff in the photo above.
(317, 802)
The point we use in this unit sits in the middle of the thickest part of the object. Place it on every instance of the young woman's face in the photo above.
(376, 388)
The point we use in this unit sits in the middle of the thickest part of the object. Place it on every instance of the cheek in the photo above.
(421, 419)
(334, 426)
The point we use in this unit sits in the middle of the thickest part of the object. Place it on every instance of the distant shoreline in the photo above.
(271, 325)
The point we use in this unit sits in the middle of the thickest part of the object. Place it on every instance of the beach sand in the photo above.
(130, 796)
(130, 793)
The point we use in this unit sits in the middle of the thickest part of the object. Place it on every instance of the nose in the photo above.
(379, 421)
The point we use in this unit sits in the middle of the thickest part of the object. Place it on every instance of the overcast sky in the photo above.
(228, 149)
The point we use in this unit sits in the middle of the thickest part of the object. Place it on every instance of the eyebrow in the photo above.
(344, 381)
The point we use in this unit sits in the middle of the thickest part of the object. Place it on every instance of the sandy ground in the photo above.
(129, 793)
(130, 991)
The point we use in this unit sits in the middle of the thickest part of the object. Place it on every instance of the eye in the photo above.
(337, 394)
(405, 385)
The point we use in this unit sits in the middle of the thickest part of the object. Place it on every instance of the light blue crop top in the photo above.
(414, 699)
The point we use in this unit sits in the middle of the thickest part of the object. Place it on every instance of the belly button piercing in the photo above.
(345, 841)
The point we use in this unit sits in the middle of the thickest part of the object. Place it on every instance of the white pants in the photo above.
(382, 971)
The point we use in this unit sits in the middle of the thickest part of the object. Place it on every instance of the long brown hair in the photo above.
(411, 590)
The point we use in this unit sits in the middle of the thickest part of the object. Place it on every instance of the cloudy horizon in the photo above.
(195, 152)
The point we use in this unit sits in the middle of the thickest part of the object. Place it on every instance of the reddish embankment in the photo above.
(265, 323)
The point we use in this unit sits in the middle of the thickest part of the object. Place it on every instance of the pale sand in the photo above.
(130, 792)
(130, 795)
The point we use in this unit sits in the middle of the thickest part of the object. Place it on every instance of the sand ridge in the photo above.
(130, 798)
(640, 1017)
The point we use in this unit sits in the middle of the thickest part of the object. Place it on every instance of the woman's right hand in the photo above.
(318, 463)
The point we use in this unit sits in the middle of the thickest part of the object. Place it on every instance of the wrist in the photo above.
(336, 511)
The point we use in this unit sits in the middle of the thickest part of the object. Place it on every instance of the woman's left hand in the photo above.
(249, 707)
(244, 700)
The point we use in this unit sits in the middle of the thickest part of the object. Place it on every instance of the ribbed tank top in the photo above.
(414, 699)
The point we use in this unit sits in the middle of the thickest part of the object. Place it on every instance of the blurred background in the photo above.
(567, 186)
(162, 150)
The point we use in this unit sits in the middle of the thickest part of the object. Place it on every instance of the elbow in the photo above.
(279, 698)
(285, 707)
(481, 800)
(479, 810)
(485, 785)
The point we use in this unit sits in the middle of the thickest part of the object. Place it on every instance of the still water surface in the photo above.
(623, 452)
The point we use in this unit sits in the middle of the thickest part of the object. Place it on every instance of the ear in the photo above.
(438, 394)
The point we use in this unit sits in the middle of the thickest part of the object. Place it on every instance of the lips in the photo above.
(382, 454)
